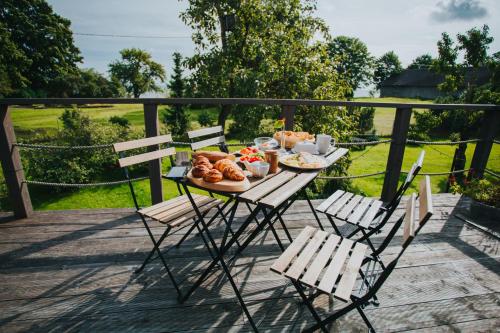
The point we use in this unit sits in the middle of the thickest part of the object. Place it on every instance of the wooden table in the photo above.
(272, 196)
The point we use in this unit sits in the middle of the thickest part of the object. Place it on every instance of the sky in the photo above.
(410, 28)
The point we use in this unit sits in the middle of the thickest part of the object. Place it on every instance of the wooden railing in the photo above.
(18, 191)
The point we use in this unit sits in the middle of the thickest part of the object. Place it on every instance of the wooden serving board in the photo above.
(224, 185)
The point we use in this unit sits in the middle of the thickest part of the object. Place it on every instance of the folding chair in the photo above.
(216, 137)
(333, 265)
(174, 213)
(367, 215)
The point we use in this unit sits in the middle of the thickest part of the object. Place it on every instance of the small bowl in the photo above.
(258, 169)
(265, 143)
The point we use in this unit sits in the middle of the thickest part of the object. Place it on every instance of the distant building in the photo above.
(422, 83)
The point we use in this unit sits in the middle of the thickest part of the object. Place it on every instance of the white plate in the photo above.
(315, 152)
(288, 160)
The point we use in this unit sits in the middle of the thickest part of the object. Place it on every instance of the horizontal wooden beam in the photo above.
(242, 101)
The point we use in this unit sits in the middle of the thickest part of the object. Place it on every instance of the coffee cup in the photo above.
(323, 142)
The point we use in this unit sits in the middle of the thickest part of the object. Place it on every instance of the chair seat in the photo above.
(176, 211)
(307, 260)
(351, 208)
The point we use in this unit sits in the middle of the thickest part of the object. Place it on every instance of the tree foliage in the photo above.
(175, 118)
(76, 166)
(352, 60)
(461, 124)
(385, 67)
(137, 72)
(422, 62)
(36, 48)
(269, 52)
(86, 83)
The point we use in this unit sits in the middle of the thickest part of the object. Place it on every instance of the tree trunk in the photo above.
(223, 114)
(460, 161)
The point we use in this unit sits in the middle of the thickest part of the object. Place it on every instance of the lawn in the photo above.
(384, 117)
(30, 120)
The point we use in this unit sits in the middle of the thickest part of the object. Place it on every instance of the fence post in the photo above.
(12, 167)
(288, 112)
(153, 129)
(396, 153)
(483, 147)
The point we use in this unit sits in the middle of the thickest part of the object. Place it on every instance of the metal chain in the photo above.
(491, 173)
(442, 143)
(353, 176)
(36, 182)
(364, 143)
(438, 173)
(50, 147)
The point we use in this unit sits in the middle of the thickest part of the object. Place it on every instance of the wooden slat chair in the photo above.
(367, 215)
(333, 265)
(174, 213)
(216, 137)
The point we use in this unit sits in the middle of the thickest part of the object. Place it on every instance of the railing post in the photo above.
(483, 147)
(288, 112)
(396, 153)
(12, 167)
(153, 129)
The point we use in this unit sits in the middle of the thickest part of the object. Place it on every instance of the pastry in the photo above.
(213, 176)
(233, 173)
(222, 164)
(213, 156)
(201, 160)
(200, 170)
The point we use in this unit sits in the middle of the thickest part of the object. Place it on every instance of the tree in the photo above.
(137, 72)
(422, 62)
(36, 48)
(86, 83)
(175, 118)
(353, 61)
(259, 49)
(385, 67)
(460, 124)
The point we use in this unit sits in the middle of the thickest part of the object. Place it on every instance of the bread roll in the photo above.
(213, 156)
(213, 176)
(222, 164)
(200, 170)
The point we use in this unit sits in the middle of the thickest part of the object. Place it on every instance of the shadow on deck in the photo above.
(73, 271)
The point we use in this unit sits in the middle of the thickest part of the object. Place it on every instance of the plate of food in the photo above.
(304, 160)
(223, 175)
(291, 138)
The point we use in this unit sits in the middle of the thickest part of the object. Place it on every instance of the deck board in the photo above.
(73, 271)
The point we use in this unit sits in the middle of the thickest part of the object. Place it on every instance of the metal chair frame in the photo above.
(359, 301)
(385, 212)
(157, 243)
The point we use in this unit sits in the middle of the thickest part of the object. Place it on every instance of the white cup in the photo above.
(323, 142)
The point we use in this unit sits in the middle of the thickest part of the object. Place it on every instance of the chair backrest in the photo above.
(414, 170)
(216, 134)
(126, 161)
(408, 219)
(412, 226)
(141, 143)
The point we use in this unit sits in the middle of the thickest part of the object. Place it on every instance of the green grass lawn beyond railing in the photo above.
(373, 159)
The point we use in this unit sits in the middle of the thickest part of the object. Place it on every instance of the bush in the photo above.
(480, 190)
(176, 120)
(121, 121)
(365, 122)
(76, 166)
(205, 119)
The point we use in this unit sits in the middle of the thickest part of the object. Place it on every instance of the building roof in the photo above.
(427, 78)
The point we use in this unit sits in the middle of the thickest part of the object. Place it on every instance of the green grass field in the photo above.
(30, 120)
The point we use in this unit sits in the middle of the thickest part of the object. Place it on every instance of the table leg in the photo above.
(220, 253)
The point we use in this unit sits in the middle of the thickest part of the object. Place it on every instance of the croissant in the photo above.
(222, 164)
(233, 173)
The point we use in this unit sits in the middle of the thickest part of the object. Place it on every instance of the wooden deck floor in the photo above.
(73, 271)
